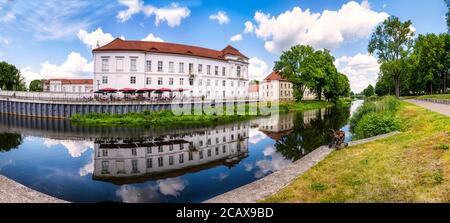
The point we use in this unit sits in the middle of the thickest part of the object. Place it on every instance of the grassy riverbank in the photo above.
(167, 118)
(159, 118)
(437, 96)
(413, 166)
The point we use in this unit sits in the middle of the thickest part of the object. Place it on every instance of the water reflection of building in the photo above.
(125, 161)
(279, 125)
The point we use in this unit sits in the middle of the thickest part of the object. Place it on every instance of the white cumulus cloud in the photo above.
(133, 7)
(248, 27)
(327, 29)
(257, 69)
(361, 70)
(151, 37)
(173, 14)
(221, 17)
(95, 37)
(75, 66)
(8, 17)
(235, 38)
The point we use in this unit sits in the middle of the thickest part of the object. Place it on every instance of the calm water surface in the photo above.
(82, 164)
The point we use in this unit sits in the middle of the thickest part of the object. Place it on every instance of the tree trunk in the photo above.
(444, 90)
(397, 87)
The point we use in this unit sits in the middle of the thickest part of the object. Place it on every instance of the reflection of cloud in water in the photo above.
(255, 136)
(171, 186)
(88, 168)
(221, 176)
(276, 163)
(248, 167)
(6, 163)
(75, 148)
(152, 193)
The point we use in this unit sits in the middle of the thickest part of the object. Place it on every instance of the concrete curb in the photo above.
(272, 183)
(13, 192)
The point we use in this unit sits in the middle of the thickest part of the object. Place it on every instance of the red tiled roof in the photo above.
(275, 76)
(172, 48)
(71, 81)
(253, 87)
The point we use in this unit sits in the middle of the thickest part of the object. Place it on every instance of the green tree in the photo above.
(9, 141)
(290, 66)
(447, 15)
(305, 67)
(384, 86)
(36, 85)
(369, 91)
(10, 77)
(392, 42)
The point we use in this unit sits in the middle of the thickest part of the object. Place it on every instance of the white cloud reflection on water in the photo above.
(74, 148)
(276, 162)
(153, 192)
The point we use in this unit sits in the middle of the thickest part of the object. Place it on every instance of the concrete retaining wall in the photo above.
(57, 109)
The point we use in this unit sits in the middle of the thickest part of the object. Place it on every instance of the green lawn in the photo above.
(167, 118)
(413, 166)
(437, 96)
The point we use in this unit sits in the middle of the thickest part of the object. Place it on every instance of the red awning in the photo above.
(108, 89)
(127, 89)
(164, 89)
(146, 89)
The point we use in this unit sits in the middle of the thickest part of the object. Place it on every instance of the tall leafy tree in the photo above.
(430, 63)
(305, 67)
(10, 77)
(392, 42)
(290, 66)
(36, 85)
(369, 91)
(447, 15)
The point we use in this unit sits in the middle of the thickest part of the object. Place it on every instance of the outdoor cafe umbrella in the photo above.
(108, 90)
(127, 90)
(143, 90)
(181, 90)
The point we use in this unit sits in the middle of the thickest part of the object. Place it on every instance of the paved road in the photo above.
(441, 108)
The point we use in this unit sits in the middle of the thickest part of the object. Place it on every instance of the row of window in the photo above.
(160, 160)
(160, 81)
(282, 85)
(148, 66)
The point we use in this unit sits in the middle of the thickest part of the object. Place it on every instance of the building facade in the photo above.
(171, 156)
(253, 90)
(202, 72)
(277, 88)
(69, 85)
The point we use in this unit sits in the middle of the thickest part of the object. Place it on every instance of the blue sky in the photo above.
(55, 38)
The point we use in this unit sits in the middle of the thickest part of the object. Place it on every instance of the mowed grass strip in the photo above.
(413, 166)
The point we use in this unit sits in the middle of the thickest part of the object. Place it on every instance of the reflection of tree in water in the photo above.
(306, 137)
(9, 141)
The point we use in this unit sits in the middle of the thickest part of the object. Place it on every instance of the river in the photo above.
(114, 164)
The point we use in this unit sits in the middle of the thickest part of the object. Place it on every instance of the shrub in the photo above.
(373, 124)
(387, 104)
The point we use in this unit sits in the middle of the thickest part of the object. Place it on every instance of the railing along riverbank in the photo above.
(433, 100)
(64, 105)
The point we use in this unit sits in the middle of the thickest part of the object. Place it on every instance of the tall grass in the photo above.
(375, 116)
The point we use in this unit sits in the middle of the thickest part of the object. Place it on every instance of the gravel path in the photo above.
(440, 108)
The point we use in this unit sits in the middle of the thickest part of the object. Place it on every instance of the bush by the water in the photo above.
(374, 124)
(375, 116)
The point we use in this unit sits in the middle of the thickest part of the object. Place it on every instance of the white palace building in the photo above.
(198, 71)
